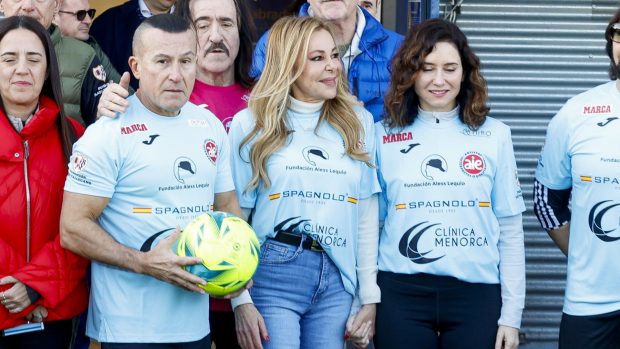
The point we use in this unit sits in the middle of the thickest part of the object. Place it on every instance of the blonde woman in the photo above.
(302, 168)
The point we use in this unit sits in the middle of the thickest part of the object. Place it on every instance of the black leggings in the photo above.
(590, 332)
(55, 335)
(425, 311)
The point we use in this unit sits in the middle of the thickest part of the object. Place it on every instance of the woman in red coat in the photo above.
(39, 280)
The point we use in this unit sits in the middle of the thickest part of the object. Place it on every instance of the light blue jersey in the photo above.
(159, 173)
(443, 188)
(314, 189)
(582, 151)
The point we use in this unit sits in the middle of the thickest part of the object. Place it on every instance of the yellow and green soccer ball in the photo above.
(228, 247)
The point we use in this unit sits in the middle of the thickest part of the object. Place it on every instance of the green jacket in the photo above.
(82, 76)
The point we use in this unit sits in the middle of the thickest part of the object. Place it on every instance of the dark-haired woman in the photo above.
(451, 259)
(39, 280)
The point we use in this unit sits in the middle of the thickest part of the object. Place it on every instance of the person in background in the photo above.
(373, 7)
(451, 253)
(581, 160)
(114, 29)
(39, 280)
(82, 76)
(365, 47)
(303, 169)
(74, 20)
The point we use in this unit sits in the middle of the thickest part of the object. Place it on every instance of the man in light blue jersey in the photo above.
(134, 179)
(581, 158)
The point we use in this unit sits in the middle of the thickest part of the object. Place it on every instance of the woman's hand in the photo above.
(250, 327)
(38, 314)
(507, 338)
(361, 326)
(15, 299)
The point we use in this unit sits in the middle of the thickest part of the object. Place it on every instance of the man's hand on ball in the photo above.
(161, 263)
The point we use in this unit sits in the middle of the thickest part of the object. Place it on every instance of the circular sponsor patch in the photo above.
(211, 150)
(473, 164)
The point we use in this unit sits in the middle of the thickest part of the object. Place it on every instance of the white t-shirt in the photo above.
(582, 151)
(158, 172)
(314, 189)
(443, 188)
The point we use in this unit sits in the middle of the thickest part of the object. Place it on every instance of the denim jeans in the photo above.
(301, 297)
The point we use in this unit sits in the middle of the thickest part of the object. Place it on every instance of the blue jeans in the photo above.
(301, 297)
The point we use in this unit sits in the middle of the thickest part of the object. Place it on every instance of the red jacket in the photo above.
(58, 275)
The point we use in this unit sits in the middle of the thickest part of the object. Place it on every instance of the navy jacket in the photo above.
(114, 31)
(369, 73)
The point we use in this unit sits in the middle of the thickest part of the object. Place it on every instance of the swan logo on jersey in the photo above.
(397, 137)
(432, 166)
(597, 109)
(596, 217)
(183, 169)
(210, 149)
(150, 241)
(325, 235)
(312, 154)
(409, 248)
(473, 164)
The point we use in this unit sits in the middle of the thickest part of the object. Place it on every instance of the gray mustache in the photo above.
(217, 46)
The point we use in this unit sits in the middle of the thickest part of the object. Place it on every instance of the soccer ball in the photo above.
(228, 247)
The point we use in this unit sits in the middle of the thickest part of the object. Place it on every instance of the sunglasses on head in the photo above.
(81, 14)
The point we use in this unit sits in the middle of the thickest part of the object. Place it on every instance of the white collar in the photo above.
(144, 10)
(439, 118)
(304, 107)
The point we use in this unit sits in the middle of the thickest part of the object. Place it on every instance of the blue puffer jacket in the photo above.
(369, 74)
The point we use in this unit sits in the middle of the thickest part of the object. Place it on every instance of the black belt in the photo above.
(295, 240)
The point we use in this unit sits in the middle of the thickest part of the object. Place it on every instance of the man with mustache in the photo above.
(114, 29)
(581, 160)
(366, 49)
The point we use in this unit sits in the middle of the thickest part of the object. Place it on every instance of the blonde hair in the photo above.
(287, 48)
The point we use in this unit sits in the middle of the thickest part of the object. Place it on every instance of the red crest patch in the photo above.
(211, 150)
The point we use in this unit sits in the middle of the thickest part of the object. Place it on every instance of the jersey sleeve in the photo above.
(506, 194)
(554, 164)
(223, 179)
(369, 181)
(240, 159)
(383, 186)
(94, 163)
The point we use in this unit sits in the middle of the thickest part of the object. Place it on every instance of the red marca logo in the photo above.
(397, 137)
(473, 164)
(125, 130)
(597, 109)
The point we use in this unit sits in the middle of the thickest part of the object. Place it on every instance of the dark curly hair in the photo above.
(401, 100)
(613, 67)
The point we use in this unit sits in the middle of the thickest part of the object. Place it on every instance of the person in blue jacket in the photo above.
(365, 46)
